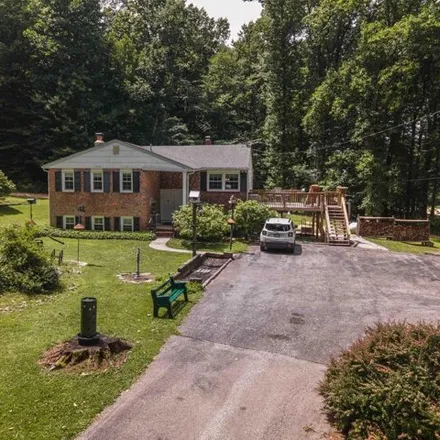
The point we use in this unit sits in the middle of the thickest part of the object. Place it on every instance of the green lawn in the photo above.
(16, 210)
(238, 246)
(301, 218)
(408, 247)
(38, 405)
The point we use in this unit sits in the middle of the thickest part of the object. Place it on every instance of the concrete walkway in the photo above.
(366, 244)
(160, 244)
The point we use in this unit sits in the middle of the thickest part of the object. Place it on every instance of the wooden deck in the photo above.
(291, 201)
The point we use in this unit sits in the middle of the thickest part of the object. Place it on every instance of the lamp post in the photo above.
(194, 199)
(138, 263)
(232, 203)
(79, 226)
(31, 202)
(231, 221)
(81, 210)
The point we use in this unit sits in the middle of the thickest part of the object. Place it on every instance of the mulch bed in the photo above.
(71, 356)
(31, 195)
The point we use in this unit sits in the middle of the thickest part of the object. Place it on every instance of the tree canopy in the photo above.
(336, 92)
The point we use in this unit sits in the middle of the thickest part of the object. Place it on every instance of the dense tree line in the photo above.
(330, 91)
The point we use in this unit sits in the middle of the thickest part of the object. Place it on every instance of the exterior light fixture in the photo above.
(194, 199)
(31, 202)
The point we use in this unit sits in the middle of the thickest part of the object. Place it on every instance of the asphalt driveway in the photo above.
(253, 350)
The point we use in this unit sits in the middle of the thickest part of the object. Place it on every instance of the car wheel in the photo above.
(293, 249)
(262, 248)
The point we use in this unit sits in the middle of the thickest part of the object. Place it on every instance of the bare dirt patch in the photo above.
(132, 278)
(71, 356)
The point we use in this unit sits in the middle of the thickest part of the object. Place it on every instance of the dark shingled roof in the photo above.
(207, 156)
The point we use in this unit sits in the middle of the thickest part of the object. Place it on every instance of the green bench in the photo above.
(165, 294)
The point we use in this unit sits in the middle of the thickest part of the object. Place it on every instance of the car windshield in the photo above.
(277, 227)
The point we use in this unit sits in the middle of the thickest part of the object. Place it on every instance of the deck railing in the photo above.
(289, 199)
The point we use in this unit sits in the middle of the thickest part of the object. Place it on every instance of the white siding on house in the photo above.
(104, 158)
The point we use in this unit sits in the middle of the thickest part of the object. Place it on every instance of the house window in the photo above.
(215, 182)
(68, 221)
(127, 181)
(97, 181)
(218, 181)
(127, 224)
(231, 182)
(68, 181)
(98, 223)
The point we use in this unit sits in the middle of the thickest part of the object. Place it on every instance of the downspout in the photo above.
(48, 193)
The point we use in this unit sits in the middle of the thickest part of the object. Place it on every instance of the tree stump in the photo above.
(70, 355)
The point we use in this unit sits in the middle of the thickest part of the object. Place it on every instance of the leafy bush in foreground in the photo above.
(250, 217)
(6, 186)
(387, 385)
(45, 231)
(24, 266)
(211, 222)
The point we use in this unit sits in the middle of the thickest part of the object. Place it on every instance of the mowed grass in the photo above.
(38, 405)
(16, 210)
(238, 246)
(408, 247)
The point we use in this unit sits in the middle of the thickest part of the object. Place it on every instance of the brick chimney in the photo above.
(208, 140)
(99, 139)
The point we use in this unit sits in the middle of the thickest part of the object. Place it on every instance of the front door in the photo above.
(170, 201)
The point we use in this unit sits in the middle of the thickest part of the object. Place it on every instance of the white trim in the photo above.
(121, 173)
(175, 166)
(223, 174)
(184, 188)
(63, 180)
(122, 223)
(94, 217)
(92, 186)
(65, 218)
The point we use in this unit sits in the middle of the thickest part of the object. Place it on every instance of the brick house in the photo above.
(122, 186)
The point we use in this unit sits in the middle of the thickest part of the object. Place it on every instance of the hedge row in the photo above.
(45, 231)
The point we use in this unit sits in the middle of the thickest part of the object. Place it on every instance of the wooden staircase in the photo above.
(338, 230)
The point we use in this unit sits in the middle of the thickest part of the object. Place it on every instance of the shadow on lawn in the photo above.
(435, 246)
(8, 210)
(177, 307)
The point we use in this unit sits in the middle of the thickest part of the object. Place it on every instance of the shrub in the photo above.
(211, 222)
(387, 385)
(24, 266)
(6, 186)
(45, 231)
(250, 217)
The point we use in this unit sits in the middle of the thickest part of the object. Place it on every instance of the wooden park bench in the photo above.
(166, 293)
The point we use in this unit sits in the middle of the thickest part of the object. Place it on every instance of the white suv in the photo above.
(278, 233)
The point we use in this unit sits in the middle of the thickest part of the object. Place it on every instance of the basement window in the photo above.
(68, 221)
(97, 223)
(127, 224)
